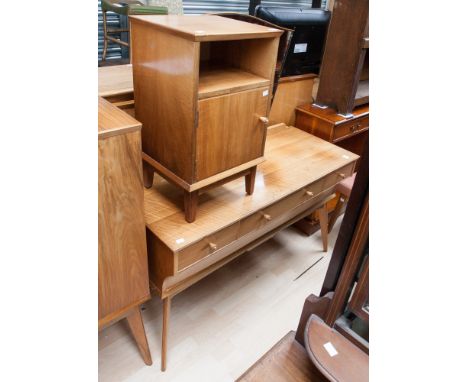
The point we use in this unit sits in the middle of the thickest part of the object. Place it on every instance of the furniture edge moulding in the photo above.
(343, 55)
(202, 35)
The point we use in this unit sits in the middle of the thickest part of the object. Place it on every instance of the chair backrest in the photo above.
(118, 6)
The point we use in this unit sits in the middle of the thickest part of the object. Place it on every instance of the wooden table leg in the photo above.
(137, 328)
(190, 205)
(165, 328)
(250, 180)
(336, 211)
(148, 175)
(323, 219)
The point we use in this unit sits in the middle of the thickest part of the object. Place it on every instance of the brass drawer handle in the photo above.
(213, 246)
(341, 175)
(310, 193)
(353, 128)
(264, 120)
(267, 217)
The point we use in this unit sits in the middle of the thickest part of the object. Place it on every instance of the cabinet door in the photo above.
(230, 131)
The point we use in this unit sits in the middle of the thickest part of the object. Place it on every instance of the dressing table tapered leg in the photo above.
(165, 328)
(250, 180)
(137, 328)
(323, 218)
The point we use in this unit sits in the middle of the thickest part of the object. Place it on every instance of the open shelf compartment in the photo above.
(233, 66)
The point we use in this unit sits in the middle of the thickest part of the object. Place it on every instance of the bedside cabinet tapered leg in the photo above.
(148, 175)
(190, 205)
(250, 180)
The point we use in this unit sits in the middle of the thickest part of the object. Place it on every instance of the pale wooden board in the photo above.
(294, 159)
(113, 80)
(219, 81)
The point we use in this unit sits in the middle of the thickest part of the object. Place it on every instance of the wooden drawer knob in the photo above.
(213, 246)
(267, 217)
(264, 120)
(310, 193)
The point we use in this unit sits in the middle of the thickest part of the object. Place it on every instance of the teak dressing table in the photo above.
(202, 87)
(299, 175)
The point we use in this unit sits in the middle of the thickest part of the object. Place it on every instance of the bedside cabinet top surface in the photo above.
(207, 27)
(113, 121)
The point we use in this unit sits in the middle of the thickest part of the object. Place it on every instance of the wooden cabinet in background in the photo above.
(123, 263)
(349, 133)
(202, 87)
(344, 74)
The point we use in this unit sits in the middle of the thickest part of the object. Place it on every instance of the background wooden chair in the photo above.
(124, 8)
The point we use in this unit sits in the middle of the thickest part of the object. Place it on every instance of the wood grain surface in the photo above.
(218, 81)
(113, 121)
(165, 73)
(114, 80)
(206, 27)
(350, 363)
(294, 160)
(292, 92)
(229, 131)
(344, 56)
(286, 361)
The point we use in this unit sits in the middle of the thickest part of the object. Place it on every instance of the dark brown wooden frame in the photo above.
(361, 293)
(345, 51)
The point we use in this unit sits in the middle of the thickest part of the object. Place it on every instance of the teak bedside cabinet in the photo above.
(202, 89)
(123, 262)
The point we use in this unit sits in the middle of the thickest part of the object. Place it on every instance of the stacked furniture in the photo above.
(340, 113)
(202, 87)
(123, 262)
